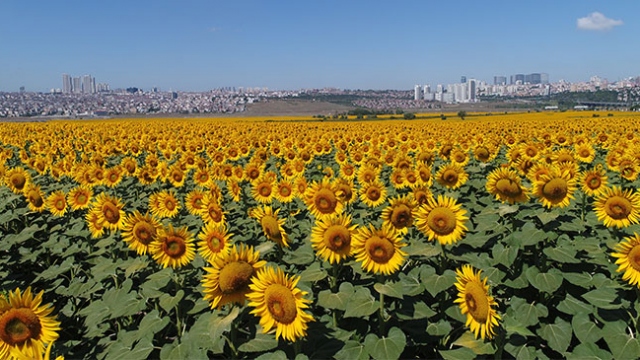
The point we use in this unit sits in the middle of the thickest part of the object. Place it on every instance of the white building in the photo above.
(417, 92)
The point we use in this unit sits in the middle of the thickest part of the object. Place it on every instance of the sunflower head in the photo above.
(214, 242)
(379, 250)
(173, 247)
(442, 219)
(331, 238)
(617, 207)
(272, 226)
(474, 301)
(627, 254)
(139, 231)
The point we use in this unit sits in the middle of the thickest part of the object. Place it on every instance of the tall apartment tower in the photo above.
(417, 92)
(88, 85)
(77, 85)
(67, 84)
(472, 90)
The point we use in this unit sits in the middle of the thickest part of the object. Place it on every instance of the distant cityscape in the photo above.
(81, 96)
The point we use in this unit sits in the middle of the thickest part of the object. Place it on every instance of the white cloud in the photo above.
(597, 21)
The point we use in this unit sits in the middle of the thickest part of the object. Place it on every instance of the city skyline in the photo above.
(293, 45)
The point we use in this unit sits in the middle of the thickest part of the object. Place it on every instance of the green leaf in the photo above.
(507, 209)
(352, 350)
(479, 346)
(548, 282)
(513, 326)
(389, 288)
(457, 354)
(528, 314)
(168, 302)
(276, 355)
(582, 279)
(440, 328)
(546, 217)
(530, 235)
(411, 284)
(156, 281)
(558, 335)
(313, 272)
(390, 347)
(302, 256)
(573, 306)
(476, 240)
(562, 254)
(602, 298)
(522, 352)
(361, 304)
(504, 255)
(585, 329)
(423, 249)
(151, 324)
(437, 283)
(339, 300)
(587, 351)
(260, 343)
(622, 346)
(422, 311)
(136, 264)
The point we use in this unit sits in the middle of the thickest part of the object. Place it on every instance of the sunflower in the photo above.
(194, 201)
(378, 250)
(57, 203)
(442, 219)
(167, 204)
(79, 197)
(26, 326)
(618, 208)
(95, 224)
(279, 303)
(451, 176)
(399, 213)
(421, 195)
(176, 176)
(373, 194)
(284, 191)
(17, 178)
(173, 247)
(368, 174)
(112, 176)
(213, 212)
(628, 259)
(271, 225)
(344, 190)
(262, 190)
(139, 231)
(109, 211)
(34, 197)
(585, 153)
(555, 189)
(331, 237)
(474, 301)
(628, 168)
(594, 181)
(202, 177)
(228, 278)
(214, 241)
(506, 186)
(321, 199)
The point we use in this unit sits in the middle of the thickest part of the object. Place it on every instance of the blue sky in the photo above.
(201, 45)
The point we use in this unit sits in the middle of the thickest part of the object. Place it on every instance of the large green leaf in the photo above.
(562, 254)
(361, 304)
(573, 306)
(588, 351)
(585, 329)
(276, 355)
(389, 288)
(602, 298)
(457, 354)
(411, 284)
(168, 302)
(513, 326)
(521, 352)
(352, 350)
(622, 346)
(548, 282)
(478, 346)
(558, 335)
(339, 300)
(582, 279)
(150, 325)
(389, 347)
(440, 328)
(435, 283)
(313, 272)
(260, 343)
(504, 255)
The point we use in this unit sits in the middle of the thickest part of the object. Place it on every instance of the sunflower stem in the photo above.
(297, 346)
(499, 342)
(584, 206)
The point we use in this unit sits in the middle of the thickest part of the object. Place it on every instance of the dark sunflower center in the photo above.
(271, 227)
(215, 214)
(35, 199)
(373, 193)
(111, 213)
(345, 192)
(421, 197)
(215, 243)
(285, 191)
(326, 201)
(170, 204)
(634, 257)
(508, 187)
(18, 181)
(593, 182)
(401, 216)
(281, 303)
(81, 199)
(618, 207)
(144, 232)
(337, 237)
(60, 204)
(380, 250)
(450, 177)
(531, 152)
(19, 325)
(482, 153)
(264, 189)
(442, 221)
(477, 302)
(585, 153)
(235, 277)
(555, 190)
(174, 246)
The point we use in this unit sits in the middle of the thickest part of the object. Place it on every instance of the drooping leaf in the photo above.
(602, 298)
(558, 335)
(260, 343)
(338, 300)
(585, 329)
(361, 304)
(389, 347)
(389, 288)
(435, 283)
(352, 350)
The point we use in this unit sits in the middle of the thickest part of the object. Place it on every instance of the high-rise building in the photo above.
(515, 78)
(416, 92)
(472, 90)
(499, 80)
(77, 85)
(463, 79)
(88, 84)
(67, 84)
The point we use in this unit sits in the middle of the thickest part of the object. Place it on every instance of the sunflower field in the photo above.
(504, 236)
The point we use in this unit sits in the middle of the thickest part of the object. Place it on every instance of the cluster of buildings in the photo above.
(466, 91)
(80, 85)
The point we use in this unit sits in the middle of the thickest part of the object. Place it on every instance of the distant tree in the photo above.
(462, 114)
(409, 116)
(443, 117)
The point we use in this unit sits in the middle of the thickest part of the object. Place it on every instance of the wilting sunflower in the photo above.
(214, 242)
(322, 200)
(442, 219)
(271, 225)
(26, 326)
(279, 303)
(594, 181)
(331, 237)
(17, 178)
(373, 193)
(79, 197)
(617, 207)
(57, 203)
(474, 301)
(34, 197)
(139, 231)
(173, 247)
(555, 189)
(228, 278)
(506, 186)
(451, 176)
(628, 259)
(109, 211)
(378, 250)
(399, 213)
